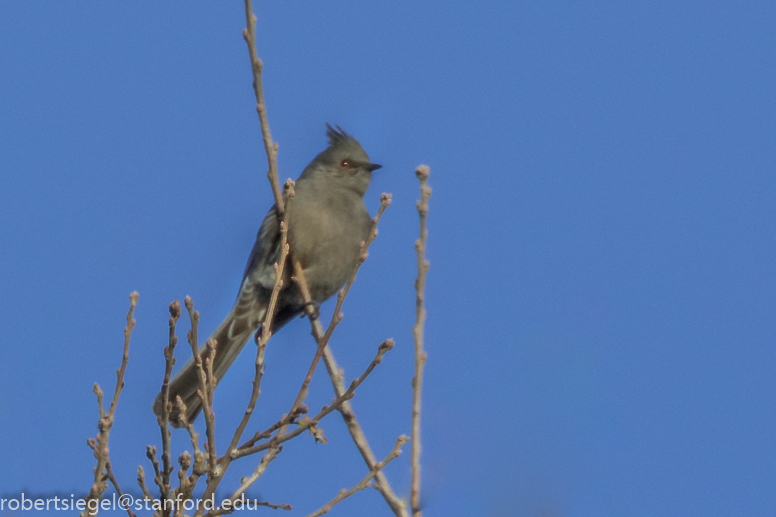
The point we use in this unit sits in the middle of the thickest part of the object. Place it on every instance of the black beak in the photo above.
(373, 167)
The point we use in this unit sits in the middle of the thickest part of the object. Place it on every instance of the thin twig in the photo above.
(193, 435)
(396, 504)
(141, 482)
(205, 382)
(115, 482)
(199, 467)
(266, 334)
(151, 455)
(206, 386)
(105, 423)
(385, 202)
(384, 347)
(210, 386)
(267, 433)
(164, 417)
(266, 329)
(247, 506)
(125, 357)
(356, 433)
(271, 148)
(247, 481)
(184, 460)
(281, 506)
(336, 317)
(364, 483)
(249, 33)
(422, 173)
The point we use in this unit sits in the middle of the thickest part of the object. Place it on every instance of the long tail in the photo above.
(230, 336)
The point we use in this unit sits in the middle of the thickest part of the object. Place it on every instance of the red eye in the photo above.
(345, 164)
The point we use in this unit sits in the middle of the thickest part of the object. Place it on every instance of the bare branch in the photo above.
(112, 478)
(247, 481)
(364, 483)
(151, 455)
(210, 417)
(193, 435)
(206, 382)
(164, 417)
(359, 439)
(199, 466)
(396, 504)
(246, 450)
(105, 423)
(184, 487)
(266, 334)
(267, 433)
(141, 482)
(271, 148)
(273, 447)
(422, 173)
(336, 317)
(385, 201)
(266, 329)
(247, 506)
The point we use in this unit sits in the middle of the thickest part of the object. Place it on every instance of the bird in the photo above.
(327, 224)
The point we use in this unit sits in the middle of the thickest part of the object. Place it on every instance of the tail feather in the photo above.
(230, 336)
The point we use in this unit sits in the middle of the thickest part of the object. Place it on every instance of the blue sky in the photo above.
(602, 292)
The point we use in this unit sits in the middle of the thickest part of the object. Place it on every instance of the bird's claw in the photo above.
(312, 310)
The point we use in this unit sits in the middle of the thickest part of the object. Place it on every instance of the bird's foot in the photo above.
(312, 310)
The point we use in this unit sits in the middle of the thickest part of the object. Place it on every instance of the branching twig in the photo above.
(247, 506)
(141, 482)
(246, 482)
(359, 439)
(184, 460)
(422, 173)
(115, 482)
(274, 448)
(336, 317)
(364, 483)
(205, 381)
(249, 33)
(206, 461)
(199, 466)
(266, 333)
(281, 506)
(100, 444)
(271, 149)
(266, 329)
(384, 347)
(164, 417)
(267, 433)
(210, 417)
(151, 455)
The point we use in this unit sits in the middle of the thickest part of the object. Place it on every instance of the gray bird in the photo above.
(328, 221)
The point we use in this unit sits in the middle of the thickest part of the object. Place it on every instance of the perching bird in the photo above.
(327, 223)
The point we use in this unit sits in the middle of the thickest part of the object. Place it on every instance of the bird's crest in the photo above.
(337, 136)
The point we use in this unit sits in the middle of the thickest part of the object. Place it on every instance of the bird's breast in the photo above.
(325, 234)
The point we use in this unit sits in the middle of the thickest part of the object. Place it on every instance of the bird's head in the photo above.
(344, 162)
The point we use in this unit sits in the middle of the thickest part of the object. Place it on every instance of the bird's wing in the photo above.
(236, 329)
(260, 268)
(250, 307)
(258, 278)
